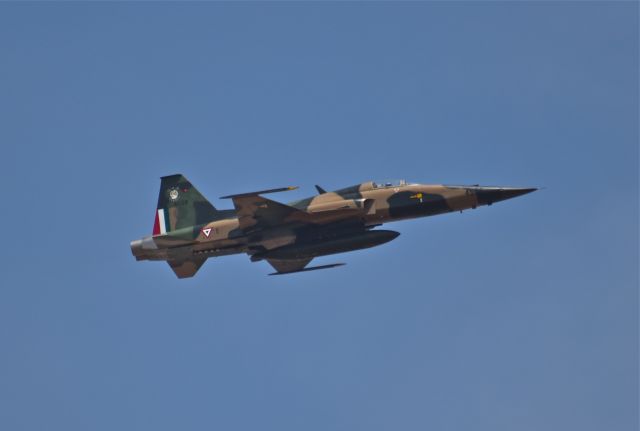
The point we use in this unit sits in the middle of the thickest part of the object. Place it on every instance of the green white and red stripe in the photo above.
(161, 223)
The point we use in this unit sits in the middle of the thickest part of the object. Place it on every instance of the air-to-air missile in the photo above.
(188, 229)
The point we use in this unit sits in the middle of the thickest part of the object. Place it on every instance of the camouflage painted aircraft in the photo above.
(188, 229)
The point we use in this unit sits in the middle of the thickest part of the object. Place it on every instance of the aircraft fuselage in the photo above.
(328, 223)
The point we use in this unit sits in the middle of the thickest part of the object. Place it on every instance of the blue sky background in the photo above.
(519, 316)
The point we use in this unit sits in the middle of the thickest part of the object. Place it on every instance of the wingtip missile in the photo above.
(260, 192)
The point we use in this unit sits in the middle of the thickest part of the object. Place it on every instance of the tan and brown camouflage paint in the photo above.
(259, 225)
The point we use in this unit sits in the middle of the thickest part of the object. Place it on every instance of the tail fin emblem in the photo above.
(174, 194)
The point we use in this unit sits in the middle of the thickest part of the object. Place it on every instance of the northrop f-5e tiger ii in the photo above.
(188, 229)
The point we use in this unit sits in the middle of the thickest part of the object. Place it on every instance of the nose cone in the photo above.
(489, 195)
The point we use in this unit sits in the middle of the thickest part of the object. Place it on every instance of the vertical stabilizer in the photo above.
(180, 205)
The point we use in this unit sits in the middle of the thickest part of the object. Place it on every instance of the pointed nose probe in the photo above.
(489, 195)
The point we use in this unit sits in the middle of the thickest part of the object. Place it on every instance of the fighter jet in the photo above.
(188, 229)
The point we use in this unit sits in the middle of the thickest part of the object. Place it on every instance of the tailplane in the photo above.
(186, 268)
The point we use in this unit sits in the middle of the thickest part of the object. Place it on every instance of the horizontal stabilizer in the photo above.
(186, 268)
(311, 268)
(260, 192)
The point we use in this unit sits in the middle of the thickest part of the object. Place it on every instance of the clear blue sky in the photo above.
(521, 316)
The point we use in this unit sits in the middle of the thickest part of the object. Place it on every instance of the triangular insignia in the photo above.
(206, 231)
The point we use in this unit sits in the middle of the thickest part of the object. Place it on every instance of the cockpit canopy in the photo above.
(388, 183)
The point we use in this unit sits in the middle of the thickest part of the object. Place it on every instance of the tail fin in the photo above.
(180, 205)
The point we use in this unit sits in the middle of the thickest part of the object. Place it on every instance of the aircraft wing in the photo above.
(290, 266)
(256, 212)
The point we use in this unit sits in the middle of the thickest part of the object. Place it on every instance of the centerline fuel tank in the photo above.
(341, 244)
